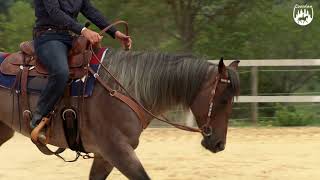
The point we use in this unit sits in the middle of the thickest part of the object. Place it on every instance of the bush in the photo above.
(290, 116)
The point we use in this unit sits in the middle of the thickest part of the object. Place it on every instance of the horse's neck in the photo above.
(158, 81)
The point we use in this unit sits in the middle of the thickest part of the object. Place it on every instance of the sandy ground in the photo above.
(169, 154)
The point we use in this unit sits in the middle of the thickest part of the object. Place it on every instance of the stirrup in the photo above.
(37, 135)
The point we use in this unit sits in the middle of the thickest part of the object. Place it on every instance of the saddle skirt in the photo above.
(37, 81)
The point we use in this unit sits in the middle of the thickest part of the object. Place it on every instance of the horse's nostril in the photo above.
(220, 146)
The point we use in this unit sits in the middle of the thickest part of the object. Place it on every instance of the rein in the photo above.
(206, 130)
(112, 92)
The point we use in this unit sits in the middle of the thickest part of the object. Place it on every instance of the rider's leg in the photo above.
(54, 56)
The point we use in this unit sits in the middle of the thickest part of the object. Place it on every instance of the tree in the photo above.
(16, 27)
(192, 16)
(5, 4)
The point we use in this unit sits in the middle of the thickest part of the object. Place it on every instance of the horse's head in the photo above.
(213, 104)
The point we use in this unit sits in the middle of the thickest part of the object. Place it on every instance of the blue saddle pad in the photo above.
(37, 84)
(5, 81)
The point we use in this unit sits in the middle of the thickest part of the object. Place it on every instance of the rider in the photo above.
(56, 24)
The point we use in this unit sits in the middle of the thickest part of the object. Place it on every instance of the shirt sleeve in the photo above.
(60, 17)
(95, 16)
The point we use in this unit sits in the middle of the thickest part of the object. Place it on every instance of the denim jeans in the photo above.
(52, 50)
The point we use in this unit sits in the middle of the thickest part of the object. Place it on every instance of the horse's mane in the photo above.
(157, 80)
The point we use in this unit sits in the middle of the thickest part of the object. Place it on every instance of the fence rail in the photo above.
(274, 62)
(270, 99)
(255, 99)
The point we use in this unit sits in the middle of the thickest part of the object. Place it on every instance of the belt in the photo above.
(37, 31)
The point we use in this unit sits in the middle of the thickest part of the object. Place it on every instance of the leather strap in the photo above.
(69, 119)
(110, 26)
(134, 106)
(26, 113)
(125, 99)
(114, 24)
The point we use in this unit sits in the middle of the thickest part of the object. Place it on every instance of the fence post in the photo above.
(254, 90)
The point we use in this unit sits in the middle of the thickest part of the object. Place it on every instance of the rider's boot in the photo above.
(37, 135)
(36, 119)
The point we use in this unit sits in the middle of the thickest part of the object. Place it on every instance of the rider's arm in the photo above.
(95, 16)
(60, 17)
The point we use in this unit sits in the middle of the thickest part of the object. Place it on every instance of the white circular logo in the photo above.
(303, 14)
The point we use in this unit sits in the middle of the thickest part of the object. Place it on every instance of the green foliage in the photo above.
(291, 116)
(16, 26)
(5, 4)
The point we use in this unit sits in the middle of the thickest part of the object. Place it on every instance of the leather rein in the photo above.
(205, 130)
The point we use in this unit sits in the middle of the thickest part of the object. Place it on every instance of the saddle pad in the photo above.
(37, 84)
(5, 81)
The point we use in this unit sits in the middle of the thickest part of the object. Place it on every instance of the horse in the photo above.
(303, 19)
(159, 81)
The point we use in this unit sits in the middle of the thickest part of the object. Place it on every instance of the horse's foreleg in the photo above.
(123, 157)
(100, 169)
(5, 133)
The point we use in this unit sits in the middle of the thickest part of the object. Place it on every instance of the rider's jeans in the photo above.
(52, 51)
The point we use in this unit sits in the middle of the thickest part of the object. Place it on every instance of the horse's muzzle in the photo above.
(213, 146)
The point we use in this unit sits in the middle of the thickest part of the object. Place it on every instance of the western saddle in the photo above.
(78, 60)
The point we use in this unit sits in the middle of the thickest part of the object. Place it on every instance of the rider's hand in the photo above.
(92, 36)
(124, 39)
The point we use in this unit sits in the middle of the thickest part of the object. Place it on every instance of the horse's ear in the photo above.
(234, 65)
(221, 66)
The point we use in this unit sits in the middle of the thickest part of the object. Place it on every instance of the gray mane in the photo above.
(157, 80)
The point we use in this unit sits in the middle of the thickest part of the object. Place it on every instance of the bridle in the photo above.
(205, 130)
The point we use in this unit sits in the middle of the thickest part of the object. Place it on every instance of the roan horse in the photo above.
(111, 130)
